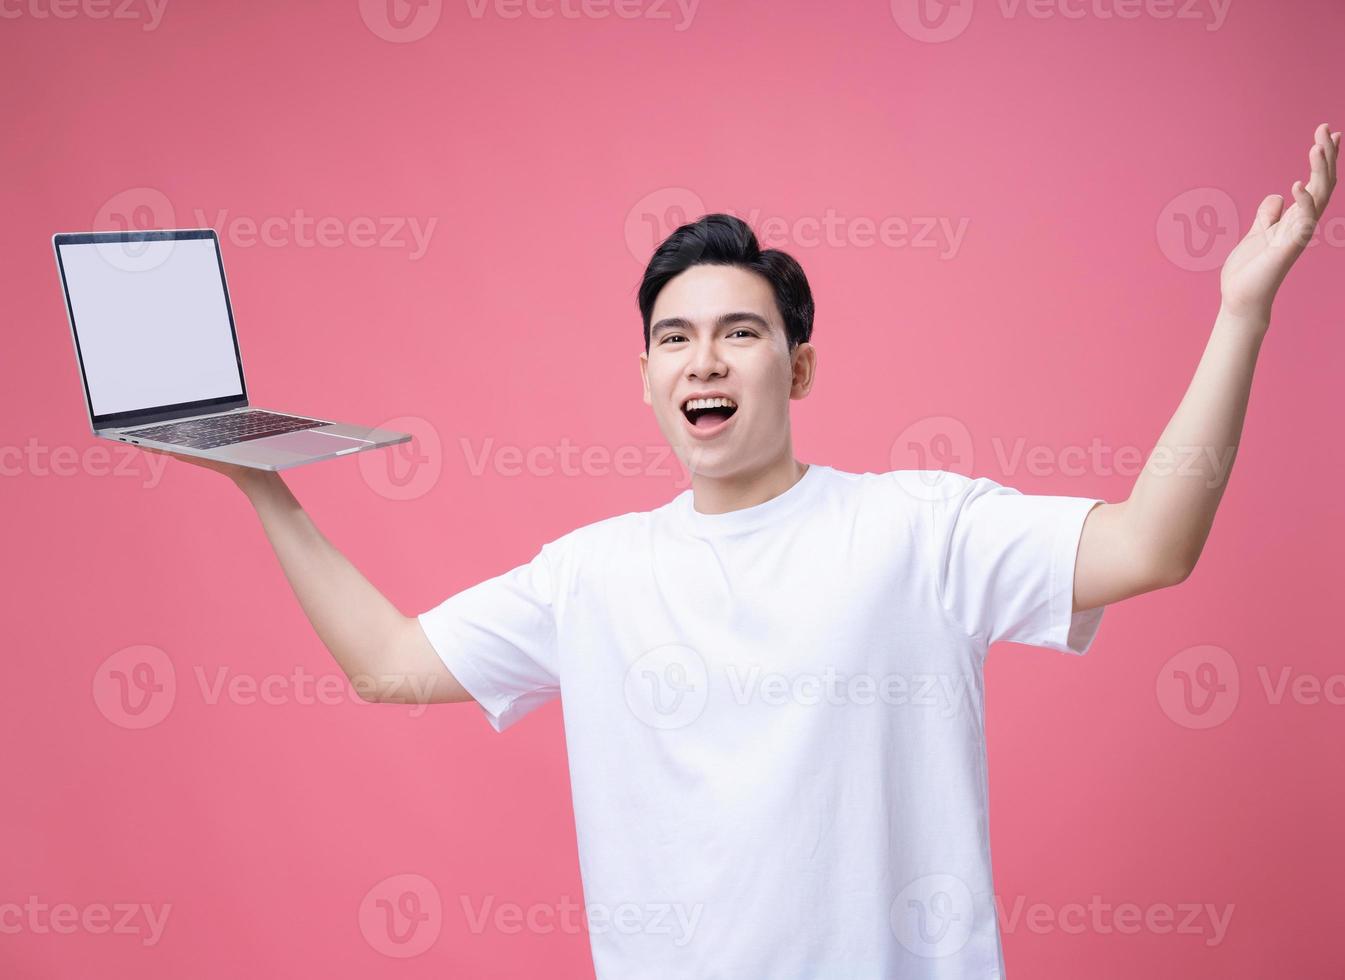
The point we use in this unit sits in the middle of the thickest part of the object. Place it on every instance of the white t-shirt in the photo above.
(774, 716)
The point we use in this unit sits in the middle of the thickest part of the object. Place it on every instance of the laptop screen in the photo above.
(152, 323)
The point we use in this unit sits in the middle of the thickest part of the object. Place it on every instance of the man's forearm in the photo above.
(1171, 507)
(352, 618)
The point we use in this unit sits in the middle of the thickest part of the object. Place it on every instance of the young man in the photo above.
(771, 685)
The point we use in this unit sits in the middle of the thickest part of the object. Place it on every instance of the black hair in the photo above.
(722, 239)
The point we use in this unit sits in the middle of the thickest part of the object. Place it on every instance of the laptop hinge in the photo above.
(139, 419)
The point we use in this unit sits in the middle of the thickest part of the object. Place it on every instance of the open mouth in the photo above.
(708, 413)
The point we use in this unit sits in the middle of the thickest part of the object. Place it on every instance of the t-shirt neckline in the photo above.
(749, 518)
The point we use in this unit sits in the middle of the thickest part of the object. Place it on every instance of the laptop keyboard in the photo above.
(225, 430)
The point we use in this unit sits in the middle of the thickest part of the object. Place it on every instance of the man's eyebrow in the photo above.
(681, 323)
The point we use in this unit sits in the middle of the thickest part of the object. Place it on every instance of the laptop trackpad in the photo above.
(310, 443)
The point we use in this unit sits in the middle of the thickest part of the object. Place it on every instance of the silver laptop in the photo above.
(158, 354)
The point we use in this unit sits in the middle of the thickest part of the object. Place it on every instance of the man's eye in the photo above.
(678, 336)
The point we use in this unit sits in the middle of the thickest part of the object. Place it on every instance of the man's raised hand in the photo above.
(1253, 271)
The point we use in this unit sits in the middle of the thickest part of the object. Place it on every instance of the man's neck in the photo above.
(713, 495)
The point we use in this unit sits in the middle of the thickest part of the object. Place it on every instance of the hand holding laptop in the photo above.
(232, 470)
(158, 354)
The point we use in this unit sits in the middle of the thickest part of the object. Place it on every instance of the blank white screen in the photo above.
(153, 331)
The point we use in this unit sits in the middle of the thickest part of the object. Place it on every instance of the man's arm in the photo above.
(1154, 538)
(385, 655)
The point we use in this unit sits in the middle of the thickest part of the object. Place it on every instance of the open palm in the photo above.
(1258, 264)
(232, 470)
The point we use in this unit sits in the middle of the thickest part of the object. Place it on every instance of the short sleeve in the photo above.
(1006, 563)
(499, 639)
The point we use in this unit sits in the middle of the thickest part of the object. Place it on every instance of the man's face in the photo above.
(716, 328)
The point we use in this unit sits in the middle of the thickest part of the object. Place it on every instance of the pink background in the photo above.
(548, 152)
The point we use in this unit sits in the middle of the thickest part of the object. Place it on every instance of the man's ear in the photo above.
(644, 376)
(803, 363)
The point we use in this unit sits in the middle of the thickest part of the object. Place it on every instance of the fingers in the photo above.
(1322, 159)
(1332, 149)
(1302, 197)
(1328, 141)
(1269, 212)
(1319, 178)
(1299, 222)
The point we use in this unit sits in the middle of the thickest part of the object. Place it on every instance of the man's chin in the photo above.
(718, 462)
(706, 460)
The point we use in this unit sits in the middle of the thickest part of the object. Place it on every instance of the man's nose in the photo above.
(706, 362)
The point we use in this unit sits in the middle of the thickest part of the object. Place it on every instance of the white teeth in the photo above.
(711, 403)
